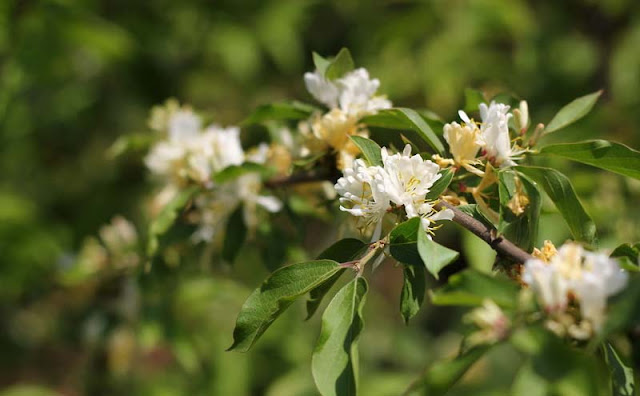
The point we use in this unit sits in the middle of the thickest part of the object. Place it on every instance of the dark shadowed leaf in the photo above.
(342, 251)
(614, 157)
(235, 234)
(519, 228)
(559, 189)
(403, 242)
(167, 217)
(572, 112)
(413, 289)
(622, 381)
(335, 358)
(370, 150)
(275, 295)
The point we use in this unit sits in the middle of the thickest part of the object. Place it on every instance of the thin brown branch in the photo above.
(503, 246)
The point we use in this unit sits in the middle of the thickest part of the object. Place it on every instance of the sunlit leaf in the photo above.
(406, 119)
(370, 150)
(559, 189)
(335, 359)
(434, 255)
(280, 111)
(233, 172)
(572, 112)
(340, 65)
(470, 287)
(440, 185)
(275, 295)
(614, 157)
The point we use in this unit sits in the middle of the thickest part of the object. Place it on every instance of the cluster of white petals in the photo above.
(402, 180)
(574, 273)
(348, 98)
(191, 154)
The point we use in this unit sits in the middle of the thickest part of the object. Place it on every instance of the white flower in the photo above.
(464, 142)
(183, 125)
(362, 193)
(590, 277)
(354, 93)
(495, 133)
(493, 325)
(163, 157)
(248, 188)
(407, 182)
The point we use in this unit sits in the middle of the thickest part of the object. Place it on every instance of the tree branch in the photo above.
(503, 246)
(488, 234)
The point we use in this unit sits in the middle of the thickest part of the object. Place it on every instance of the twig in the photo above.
(488, 234)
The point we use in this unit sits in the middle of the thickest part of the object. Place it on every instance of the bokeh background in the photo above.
(77, 74)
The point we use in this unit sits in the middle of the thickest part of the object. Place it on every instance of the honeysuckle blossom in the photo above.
(588, 278)
(404, 180)
(464, 143)
(407, 182)
(493, 325)
(348, 98)
(362, 193)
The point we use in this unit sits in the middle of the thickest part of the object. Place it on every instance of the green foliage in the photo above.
(340, 65)
(235, 235)
(168, 216)
(472, 99)
(614, 157)
(441, 184)
(279, 111)
(275, 295)
(470, 287)
(573, 111)
(519, 228)
(622, 381)
(335, 358)
(559, 189)
(407, 120)
(370, 150)
(233, 172)
(413, 289)
(434, 255)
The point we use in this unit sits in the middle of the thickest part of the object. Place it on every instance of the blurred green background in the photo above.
(76, 74)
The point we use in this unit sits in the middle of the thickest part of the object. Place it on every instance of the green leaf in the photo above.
(409, 120)
(235, 234)
(559, 189)
(627, 256)
(521, 229)
(442, 375)
(321, 63)
(472, 100)
(623, 310)
(131, 143)
(342, 251)
(335, 359)
(413, 289)
(440, 185)
(622, 381)
(614, 157)
(471, 288)
(233, 172)
(572, 112)
(403, 241)
(167, 217)
(370, 150)
(434, 255)
(340, 65)
(529, 383)
(279, 111)
(275, 295)
(473, 211)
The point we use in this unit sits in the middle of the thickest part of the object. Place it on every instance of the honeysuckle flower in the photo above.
(464, 143)
(493, 325)
(407, 182)
(248, 188)
(362, 193)
(589, 278)
(495, 133)
(323, 90)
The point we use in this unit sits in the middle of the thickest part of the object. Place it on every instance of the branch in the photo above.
(503, 246)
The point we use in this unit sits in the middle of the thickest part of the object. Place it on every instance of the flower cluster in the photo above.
(491, 136)
(190, 154)
(348, 99)
(574, 277)
(403, 180)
